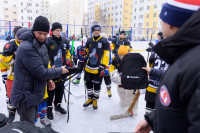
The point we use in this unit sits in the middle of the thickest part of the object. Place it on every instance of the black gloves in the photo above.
(101, 70)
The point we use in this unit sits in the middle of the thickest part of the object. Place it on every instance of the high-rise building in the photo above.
(146, 18)
(111, 14)
(21, 12)
(69, 12)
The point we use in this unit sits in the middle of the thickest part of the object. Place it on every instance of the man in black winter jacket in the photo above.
(31, 70)
(177, 101)
(58, 48)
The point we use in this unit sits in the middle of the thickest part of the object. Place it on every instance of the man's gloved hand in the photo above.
(101, 70)
(114, 51)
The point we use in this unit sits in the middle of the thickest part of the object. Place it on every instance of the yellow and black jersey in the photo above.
(7, 59)
(124, 42)
(98, 52)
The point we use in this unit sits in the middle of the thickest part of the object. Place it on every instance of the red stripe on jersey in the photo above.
(3, 70)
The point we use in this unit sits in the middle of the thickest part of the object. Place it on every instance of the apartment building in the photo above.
(21, 12)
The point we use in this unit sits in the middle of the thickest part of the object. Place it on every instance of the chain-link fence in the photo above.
(72, 31)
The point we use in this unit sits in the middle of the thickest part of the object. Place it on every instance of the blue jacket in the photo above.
(31, 70)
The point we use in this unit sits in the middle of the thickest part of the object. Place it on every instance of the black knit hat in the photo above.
(96, 27)
(41, 24)
(16, 29)
(159, 34)
(56, 25)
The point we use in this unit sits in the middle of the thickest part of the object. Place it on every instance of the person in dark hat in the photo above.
(159, 37)
(58, 50)
(31, 70)
(122, 40)
(177, 99)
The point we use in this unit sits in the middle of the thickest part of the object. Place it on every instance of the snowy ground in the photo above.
(90, 121)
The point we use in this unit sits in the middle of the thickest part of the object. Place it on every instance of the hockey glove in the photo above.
(101, 70)
(82, 52)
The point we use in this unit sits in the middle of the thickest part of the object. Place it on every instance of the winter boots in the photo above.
(60, 109)
(76, 82)
(95, 104)
(49, 113)
(44, 121)
(87, 103)
(109, 91)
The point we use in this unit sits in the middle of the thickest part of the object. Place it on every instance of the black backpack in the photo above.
(133, 76)
(25, 127)
(3, 120)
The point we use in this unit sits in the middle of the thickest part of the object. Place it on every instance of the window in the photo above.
(141, 17)
(141, 8)
(14, 19)
(6, 16)
(154, 24)
(29, 11)
(120, 12)
(14, 12)
(29, 18)
(125, 17)
(134, 17)
(37, 5)
(141, 1)
(116, 13)
(116, 7)
(155, 6)
(14, 5)
(147, 23)
(6, 9)
(21, 10)
(147, 16)
(116, 20)
(148, 7)
(5, 2)
(22, 17)
(21, 3)
(29, 4)
(120, 6)
(125, 24)
(155, 15)
(140, 25)
(37, 11)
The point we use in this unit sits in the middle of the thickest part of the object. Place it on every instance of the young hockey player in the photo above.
(97, 49)
(126, 96)
(122, 41)
(7, 65)
(156, 70)
(58, 49)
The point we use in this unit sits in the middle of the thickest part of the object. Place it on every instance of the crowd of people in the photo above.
(33, 66)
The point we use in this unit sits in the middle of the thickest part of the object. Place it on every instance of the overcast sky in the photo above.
(55, 1)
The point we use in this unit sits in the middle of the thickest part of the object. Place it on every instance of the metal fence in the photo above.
(71, 30)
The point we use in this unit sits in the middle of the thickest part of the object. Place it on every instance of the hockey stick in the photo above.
(80, 96)
(149, 48)
(130, 109)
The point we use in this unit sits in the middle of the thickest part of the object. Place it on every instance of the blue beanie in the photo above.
(177, 12)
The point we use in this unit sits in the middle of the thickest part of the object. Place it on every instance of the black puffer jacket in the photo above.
(178, 96)
(31, 72)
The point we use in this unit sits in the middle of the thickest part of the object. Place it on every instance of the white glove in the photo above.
(114, 76)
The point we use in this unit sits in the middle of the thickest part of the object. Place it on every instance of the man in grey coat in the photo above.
(31, 70)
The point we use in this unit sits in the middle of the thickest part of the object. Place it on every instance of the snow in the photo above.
(88, 120)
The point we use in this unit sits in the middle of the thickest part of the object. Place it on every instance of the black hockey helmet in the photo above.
(96, 27)
(123, 32)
